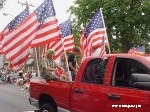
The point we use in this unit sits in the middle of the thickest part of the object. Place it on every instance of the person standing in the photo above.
(49, 66)
(72, 62)
(14, 77)
(63, 65)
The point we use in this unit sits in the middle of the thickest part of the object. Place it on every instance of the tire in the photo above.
(47, 108)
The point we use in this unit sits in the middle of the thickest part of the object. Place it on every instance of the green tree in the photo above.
(127, 21)
(2, 3)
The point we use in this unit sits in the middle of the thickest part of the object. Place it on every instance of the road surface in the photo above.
(13, 99)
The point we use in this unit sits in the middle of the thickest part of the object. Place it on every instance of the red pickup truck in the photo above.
(121, 83)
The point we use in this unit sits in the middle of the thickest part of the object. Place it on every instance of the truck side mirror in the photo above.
(140, 81)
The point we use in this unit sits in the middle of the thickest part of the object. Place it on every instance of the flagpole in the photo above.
(69, 73)
(104, 41)
(105, 29)
(39, 53)
(26, 4)
(37, 62)
(144, 49)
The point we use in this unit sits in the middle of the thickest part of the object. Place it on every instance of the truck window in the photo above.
(123, 68)
(94, 71)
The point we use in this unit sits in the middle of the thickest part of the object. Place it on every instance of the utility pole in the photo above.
(6, 14)
(26, 4)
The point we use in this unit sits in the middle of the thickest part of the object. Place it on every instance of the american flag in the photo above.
(7, 41)
(48, 29)
(67, 40)
(103, 52)
(67, 36)
(83, 46)
(94, 32)
(137, 50)
(41, 24)
(14, 23)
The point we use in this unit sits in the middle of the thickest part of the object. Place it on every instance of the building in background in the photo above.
(34, 61)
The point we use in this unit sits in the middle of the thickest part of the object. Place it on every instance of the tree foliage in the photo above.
(127, 21)
(2, 3)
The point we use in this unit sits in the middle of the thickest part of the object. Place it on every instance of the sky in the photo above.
(12, 8)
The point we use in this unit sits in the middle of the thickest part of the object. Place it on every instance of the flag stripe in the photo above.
(69, 45)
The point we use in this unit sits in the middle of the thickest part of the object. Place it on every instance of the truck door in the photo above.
(122, 95)
(89, 93)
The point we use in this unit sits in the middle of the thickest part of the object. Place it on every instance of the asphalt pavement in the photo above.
(13, 99)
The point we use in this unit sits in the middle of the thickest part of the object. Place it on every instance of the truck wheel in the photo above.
(47, 108)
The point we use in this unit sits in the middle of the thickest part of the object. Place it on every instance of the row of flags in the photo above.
(40, 28)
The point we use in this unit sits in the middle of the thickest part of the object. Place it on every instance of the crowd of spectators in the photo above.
(17, 78)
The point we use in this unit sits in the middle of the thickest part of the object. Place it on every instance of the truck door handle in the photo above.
(113, 97)
(78, 91)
